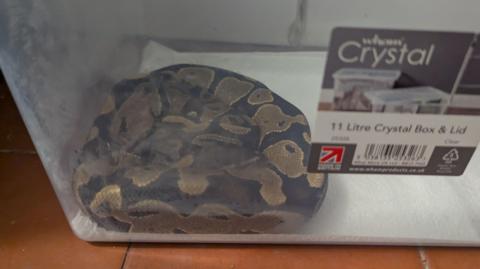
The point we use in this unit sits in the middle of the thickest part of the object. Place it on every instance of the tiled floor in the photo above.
(35, 234)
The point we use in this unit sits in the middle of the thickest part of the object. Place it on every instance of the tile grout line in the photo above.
(423, 258)
(122, 266)
(18, 151)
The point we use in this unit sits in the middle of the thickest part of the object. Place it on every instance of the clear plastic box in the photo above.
(149, 135)
(70, 63)
(420, 100)
(351, 83)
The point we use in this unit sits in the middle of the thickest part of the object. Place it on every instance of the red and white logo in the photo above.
(331, 154)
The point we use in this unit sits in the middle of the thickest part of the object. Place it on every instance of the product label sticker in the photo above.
(398, 102)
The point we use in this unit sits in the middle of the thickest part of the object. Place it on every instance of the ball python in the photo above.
(197, 149)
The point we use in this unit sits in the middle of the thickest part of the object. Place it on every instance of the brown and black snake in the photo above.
(197, 149)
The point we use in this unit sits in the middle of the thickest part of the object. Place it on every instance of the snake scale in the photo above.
(197, 149)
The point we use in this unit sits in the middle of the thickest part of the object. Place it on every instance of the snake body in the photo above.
(197, 149)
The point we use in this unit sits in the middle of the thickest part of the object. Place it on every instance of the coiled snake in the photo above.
(197, 149)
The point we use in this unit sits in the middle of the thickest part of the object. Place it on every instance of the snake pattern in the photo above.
(197, 149)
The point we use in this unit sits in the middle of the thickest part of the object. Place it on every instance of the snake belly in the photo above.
(197, 149)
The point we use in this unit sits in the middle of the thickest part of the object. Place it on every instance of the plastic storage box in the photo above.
(147, 136)
(92, 79)
(350, 83)
(423, 100)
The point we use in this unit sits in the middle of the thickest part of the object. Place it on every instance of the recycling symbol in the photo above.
(451, 156)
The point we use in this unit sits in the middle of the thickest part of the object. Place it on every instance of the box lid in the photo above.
(407, 95)
(366, 73)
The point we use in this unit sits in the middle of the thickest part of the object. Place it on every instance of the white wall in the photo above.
(268, 21)
(256, 21)
(259, 21)
(323, 15)
(244, 21)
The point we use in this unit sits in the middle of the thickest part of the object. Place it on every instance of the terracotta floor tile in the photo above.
(277, 257)
(458, 258)
(33, 230)
(13, 134)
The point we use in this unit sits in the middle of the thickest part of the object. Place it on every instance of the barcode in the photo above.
(395, 152)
